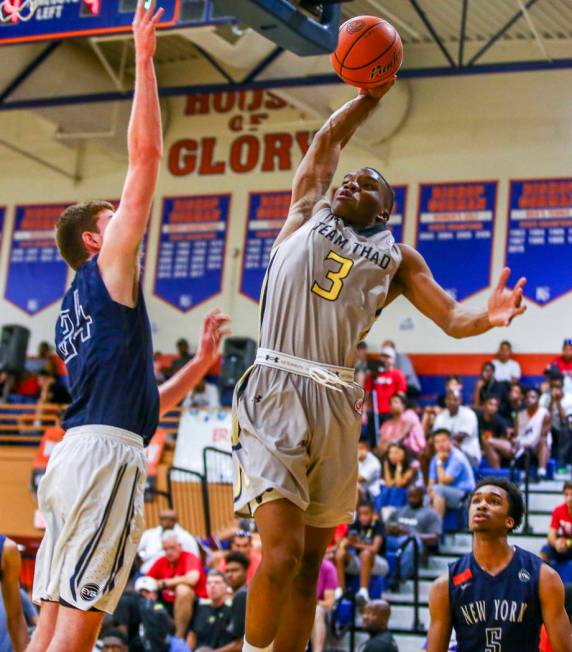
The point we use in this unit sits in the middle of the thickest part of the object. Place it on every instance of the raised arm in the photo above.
(118, 257)
(415, 281)
(553, 613)
(317, 168)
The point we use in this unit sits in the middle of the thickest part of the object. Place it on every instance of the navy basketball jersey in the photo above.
(108, 351)
(498, 613)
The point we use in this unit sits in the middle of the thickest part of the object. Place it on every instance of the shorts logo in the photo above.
(523, 575)
(89, 592)
(358, 406)
(355, 26)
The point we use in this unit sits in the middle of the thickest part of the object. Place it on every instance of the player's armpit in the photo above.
(555, 618)
(440, 626)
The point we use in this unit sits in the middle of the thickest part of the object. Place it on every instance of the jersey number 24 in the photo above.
(336, 277)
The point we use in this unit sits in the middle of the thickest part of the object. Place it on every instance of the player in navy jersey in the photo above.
(497, 597)
(92, 493)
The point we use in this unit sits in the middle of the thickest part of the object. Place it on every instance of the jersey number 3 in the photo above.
(335, 276)
(494, 637)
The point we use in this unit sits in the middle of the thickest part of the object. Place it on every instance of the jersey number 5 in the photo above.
(335, 276)
(494, 637)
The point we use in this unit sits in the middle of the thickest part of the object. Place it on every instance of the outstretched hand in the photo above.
(212, 332)
(144, 26)
(506, 304)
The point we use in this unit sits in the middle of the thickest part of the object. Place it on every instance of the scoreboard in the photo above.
(62, 19)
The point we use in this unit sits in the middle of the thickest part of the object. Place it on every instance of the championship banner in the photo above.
(199, 429)
(397, 219)
(36, 272)
(267, 212)
(190, 255)
(455, 229)
(539, 242)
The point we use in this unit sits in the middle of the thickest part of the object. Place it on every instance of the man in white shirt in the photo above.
(533, 430)
(463, 425)
(369, 470)
(151, 544)
(559, 403)
(506, 369)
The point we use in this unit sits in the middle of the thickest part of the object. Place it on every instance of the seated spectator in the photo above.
(180, 578)
(403, 427)
(403, 363)
(564, 363)
(453, 383)
(326, 592)
(513, 405)
(369, 470)
(495, 440)
(417, 520)
(236, 574)
(462, 423)
(533, 430)
(204, 395)
(52, 390)
(114, 641)
(506, 369)
(399, 469)
(241, 542)
(359, 553)
(376, 614)
(183, 356)
(451, 477)
(559, 547)
(208, 628)
(388, 382)
(559, 404)
(155, 624)
(488, 386)
(151, 545)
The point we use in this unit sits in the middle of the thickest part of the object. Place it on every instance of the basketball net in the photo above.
(16, 11)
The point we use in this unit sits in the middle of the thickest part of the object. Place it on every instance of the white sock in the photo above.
(364, 592)
(246, 647)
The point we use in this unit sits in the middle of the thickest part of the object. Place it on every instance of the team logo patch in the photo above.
(355, 26)
(89, 592)
(523, 575)
(463, 577)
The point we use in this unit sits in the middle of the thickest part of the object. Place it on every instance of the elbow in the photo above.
(145, 153)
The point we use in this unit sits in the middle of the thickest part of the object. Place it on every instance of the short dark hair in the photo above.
(532, 388)
(552, 372)
(116, 633)
(488, 363)
(515, 500)
(567, 485)
(489, 397)
(505, 343)
(74, 221)
(238, 558)
(366, 503)
(361, 345)
(441, 431)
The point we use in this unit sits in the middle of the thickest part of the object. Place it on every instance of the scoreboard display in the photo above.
(59, 19)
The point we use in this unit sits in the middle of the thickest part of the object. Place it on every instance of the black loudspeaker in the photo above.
(238, 353)
(13, 348)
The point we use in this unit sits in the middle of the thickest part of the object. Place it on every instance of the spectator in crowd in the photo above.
(417, 520)
(155, 624)
(462, 423)
(52, 390)
(205, 395)
(403, 427)
(513, 405)
(399, 470)
(183, 356)
(151, 544)
(240, 542)
(453, 383)
(487, 386)
(388, 382)
(359, 553)
(326, 594)
(236, 571)
(16, 631)
(404, 364)
(369, 470)
(114, 641)
(559, 404)
(533, 430)
(180, 578)
(506, 369)
(209, 627)
(451, 477)
(559, 546)
(564, 363)
(236, 574)
(495, 440)
(362, 365)
(376, 614)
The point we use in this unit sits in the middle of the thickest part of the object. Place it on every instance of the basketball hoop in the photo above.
(16, 11)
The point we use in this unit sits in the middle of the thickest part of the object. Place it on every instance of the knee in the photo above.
(282, 562)
(340, 555)
(366, 556)
(183, 593)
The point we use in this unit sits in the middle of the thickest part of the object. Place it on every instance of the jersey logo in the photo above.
(463, 577)
(78, 325)
(523, 575)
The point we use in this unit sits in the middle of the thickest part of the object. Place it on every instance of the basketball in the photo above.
(369, 52)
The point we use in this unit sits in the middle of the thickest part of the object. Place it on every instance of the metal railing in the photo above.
(188, 493)
(417, 625)
(155, 502)
(219, 488)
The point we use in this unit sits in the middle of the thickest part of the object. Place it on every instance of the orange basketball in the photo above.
(369, 52)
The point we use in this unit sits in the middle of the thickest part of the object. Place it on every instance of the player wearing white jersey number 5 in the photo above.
(297, 411)
(92, 493)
